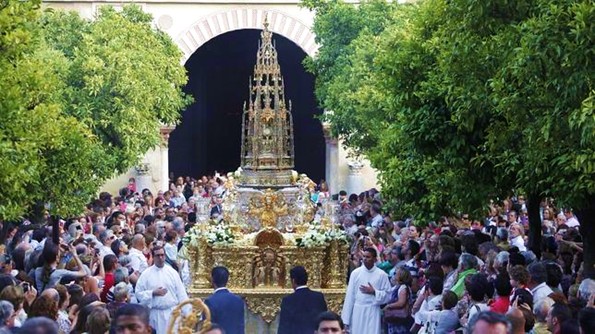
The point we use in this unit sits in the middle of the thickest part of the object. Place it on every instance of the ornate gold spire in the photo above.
(267, 125)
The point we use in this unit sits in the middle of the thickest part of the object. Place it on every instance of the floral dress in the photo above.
(63, 322)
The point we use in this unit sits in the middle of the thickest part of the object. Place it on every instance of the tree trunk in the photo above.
(586, 217)
(54, 222)
(533, 204)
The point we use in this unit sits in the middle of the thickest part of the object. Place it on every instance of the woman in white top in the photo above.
(517, 236)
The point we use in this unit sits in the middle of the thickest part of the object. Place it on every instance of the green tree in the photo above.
(42, 150)
(472, 100)
(82, 100)
(124, 80)
(544, 113)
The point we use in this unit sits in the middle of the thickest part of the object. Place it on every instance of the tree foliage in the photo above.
(458, 101)
(80, 101)
(124, 80)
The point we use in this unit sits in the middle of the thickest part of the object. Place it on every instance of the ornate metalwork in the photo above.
(268, 208)
(265, 196)
(332, 261)
(201, 265)
(184, 321)
(267, 153)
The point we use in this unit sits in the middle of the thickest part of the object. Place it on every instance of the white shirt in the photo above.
(428, 305)
(138, 261)
(104, 250)
(540, 292)
(519, 242)
(572, 222)
(184, 263)
(376, 221)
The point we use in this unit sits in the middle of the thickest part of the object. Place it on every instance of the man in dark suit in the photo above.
(300, 310)
(227, 309)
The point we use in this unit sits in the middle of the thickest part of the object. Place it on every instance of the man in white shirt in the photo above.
(377, 218)
(537, 285)
(106, 238)
(361, 310)
(432, 300)
(160, 288)
(571, 220)
(516, 237)
(138, 261)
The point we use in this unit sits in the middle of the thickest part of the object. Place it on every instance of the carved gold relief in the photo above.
(268, 208)
(268, 270)
(266, 307)
(190, 316)
(334, 302)
(259, 263)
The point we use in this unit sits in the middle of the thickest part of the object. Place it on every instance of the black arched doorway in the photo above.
(208, 138)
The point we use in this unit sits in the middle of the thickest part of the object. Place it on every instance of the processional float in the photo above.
(269, 224)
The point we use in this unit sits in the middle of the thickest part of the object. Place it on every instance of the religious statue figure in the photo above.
(306, 207)
(230, 183)
(270, 207)
(267, 270)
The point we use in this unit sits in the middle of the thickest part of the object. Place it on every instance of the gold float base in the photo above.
(267, 302)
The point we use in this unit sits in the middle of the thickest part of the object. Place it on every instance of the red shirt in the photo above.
(500, 305)
(108, 283)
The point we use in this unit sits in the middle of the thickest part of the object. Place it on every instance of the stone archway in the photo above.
(246, 18)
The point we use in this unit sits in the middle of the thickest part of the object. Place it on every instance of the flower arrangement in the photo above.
(220, 235)
(191, 237)
(317, 236)
(338, 235)
(215, 233)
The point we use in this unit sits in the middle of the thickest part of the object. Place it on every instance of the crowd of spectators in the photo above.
(465, 268)
(456, 272)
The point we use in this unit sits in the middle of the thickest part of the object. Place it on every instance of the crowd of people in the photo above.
(459, 273)
(121, 267)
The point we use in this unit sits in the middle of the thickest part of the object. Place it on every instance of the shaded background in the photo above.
(209, 137)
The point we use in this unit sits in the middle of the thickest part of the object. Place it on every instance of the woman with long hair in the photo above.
(401, 300)
(50, 270)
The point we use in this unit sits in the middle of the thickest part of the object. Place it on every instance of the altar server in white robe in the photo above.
(361, 311)
(160, 288)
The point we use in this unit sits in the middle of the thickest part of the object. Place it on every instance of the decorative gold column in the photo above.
(201, 272)
(335, 280)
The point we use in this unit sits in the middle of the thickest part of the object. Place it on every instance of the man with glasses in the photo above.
(466, 220)
(160, 288)
(106, 238)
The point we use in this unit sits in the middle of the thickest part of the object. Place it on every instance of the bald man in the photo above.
(51, 293)
(138, 261)
(517, 319)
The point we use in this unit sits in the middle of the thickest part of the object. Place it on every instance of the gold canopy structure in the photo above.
(267, 155)
(269, 223)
